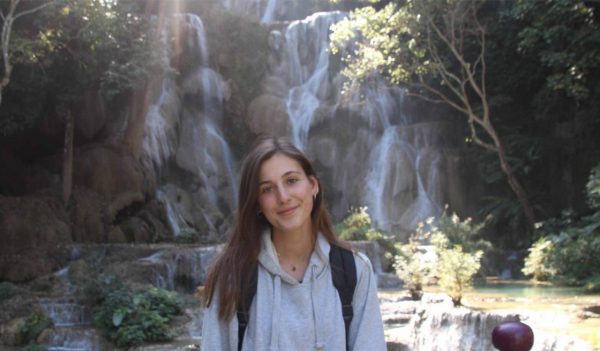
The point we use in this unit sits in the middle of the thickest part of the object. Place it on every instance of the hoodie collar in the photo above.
(268, 257)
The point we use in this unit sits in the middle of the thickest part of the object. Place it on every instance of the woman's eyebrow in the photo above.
(282, 176)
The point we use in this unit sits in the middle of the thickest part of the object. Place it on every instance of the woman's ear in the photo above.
(314, 182)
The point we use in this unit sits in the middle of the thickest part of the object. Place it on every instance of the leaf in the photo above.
(118, 317)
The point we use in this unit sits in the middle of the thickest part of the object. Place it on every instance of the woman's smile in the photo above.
(287, 211)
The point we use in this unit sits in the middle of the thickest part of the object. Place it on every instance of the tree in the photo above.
(8, 20)
(85, 47)
(437, 49)
(566, 39)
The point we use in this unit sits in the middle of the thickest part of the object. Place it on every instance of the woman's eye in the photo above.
(265, 190)
(292, 180)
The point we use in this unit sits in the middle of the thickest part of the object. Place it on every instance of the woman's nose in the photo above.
(282, 195)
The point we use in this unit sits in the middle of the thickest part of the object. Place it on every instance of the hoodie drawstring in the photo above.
(276, 313)
(318, 343)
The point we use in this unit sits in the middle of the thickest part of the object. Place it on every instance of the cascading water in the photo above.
(269, 15)
(364, 137)
(184, 130)
(307, 49)
(180, 268)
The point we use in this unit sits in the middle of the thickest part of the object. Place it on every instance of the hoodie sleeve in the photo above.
(217, 335)
(366, 329)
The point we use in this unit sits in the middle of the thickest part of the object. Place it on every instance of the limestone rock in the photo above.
(10, 333)
(268, 114)
(109, 170)
(33, 231)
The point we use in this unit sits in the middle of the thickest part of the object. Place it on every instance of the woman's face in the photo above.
(285, 195)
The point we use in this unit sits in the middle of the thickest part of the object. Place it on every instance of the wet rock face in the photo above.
(33, 231)
(10, 333)
(109, 170)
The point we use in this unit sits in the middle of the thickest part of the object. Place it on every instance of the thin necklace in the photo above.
(291, 264)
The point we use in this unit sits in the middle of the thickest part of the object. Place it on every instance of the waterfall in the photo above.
(184, 133)
(269, 15)
(70, 317)
(173, 217)
(384, 166)
(197, 39)
(308, 58)
(180, 268)
(367, 141)
(436, 327)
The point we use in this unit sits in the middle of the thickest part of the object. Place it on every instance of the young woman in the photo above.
(283, 228)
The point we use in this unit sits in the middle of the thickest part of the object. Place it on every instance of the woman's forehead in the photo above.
(279, 165)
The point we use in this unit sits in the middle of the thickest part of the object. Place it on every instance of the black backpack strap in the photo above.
(343, 274)
(243, 308)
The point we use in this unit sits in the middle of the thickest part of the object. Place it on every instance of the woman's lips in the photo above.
(287, 211)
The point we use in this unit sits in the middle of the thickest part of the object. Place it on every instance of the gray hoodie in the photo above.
(288, 315)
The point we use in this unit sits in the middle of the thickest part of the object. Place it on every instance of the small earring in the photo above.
(315, 197)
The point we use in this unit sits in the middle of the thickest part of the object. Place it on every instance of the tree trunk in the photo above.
(516, 186)
(67, 171)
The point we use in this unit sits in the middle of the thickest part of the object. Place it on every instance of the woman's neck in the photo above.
(294, 251)
(297, 245)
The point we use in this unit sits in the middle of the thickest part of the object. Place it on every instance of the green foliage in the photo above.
(458, 252)
(78, 47)
(35, 347)
(130, 319)
(592, 285)
(455, 268)
(537, 262)
(593, 188)
(358, 226)
(187, 236)
(7, 290)
(402, 42)
(410, 267)
(566, 39)
(34, 325)
(568, 250)
(466, 234)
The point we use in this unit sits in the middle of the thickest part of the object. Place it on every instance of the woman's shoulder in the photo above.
(362, 262)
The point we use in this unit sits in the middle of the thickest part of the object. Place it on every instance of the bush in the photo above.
(131, 319)
(7, 290)
(454, 268)
(568, 250)
(34, 325)
(537, 263)
(464, 233)
(358, 226)
(411, 268)
(592, 285)
(458, 255)
(187, 236)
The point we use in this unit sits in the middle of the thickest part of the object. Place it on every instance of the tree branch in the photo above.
(37, 8)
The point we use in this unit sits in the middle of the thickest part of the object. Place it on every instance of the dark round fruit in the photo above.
(512, 336)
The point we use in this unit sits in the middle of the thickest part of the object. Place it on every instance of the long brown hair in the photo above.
(235, 264)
